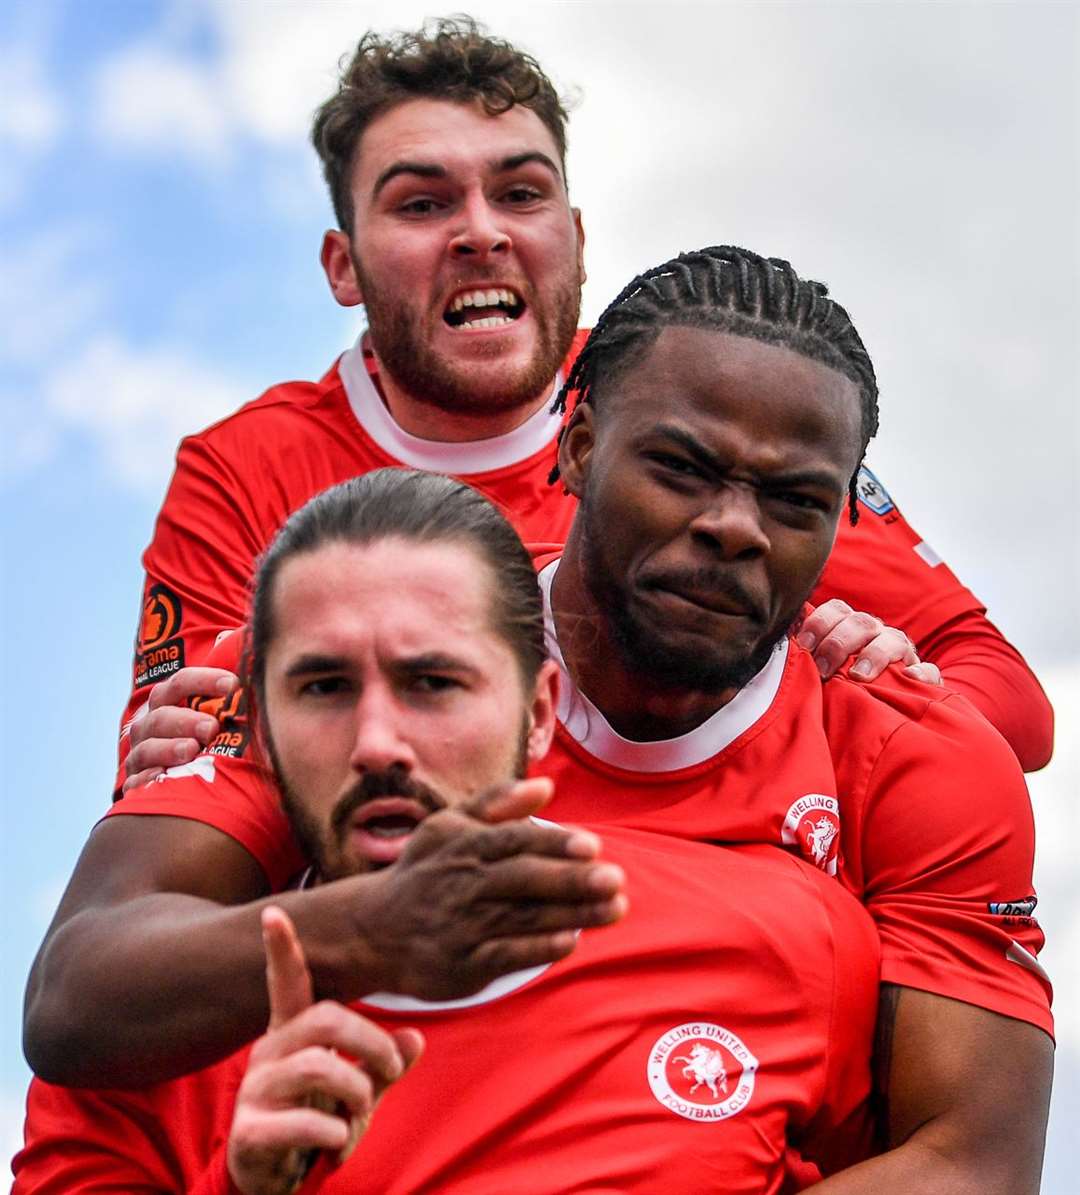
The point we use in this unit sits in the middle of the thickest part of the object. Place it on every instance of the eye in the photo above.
(325, 686)
(680, 466)
(434, 683)
(801, 501)
(425, 206)
(521, 195)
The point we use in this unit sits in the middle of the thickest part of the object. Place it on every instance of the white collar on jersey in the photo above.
(472, 456)
(588, 726)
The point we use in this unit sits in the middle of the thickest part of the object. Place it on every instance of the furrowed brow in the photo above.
(691, 445)
(821, 478)
(420, 169)
(307, 664)
(435, 662)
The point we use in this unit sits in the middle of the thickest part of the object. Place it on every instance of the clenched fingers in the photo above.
(928, 673)
(186, 683)
(257, 1130)
(176, 737)
(289, 1081)
(336, 1027)
(834, 633)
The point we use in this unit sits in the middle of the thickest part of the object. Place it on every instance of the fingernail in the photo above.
(807, 640)
(861, 668)
(224, 685)
(184, 750)
(605, 878)
(583, 844)
(824, 668)
(206, 728)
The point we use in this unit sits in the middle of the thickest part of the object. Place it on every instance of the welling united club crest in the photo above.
(813, 825)
(701, 1071)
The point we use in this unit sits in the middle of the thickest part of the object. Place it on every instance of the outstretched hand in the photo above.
(300, 1094)
(484, 890)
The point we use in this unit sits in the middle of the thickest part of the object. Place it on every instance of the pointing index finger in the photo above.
(288, 980)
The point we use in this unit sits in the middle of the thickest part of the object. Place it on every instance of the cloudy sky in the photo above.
(160, 217)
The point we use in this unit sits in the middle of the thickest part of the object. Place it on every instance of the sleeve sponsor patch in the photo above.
(873, 494)
(231, 712)
(1012, 909)
(159, 650)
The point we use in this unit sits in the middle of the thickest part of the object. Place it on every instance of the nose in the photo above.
(380, 738)
(480, 231)
(731, 523)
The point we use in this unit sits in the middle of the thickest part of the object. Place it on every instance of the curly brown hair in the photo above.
(451, 58)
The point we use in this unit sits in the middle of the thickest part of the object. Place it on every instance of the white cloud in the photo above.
(135, 405)
(45, 298)
(31, 115)
(151, 99)
(29, 441)
(31, 119)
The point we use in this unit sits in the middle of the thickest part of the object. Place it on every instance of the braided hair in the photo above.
(734, 291)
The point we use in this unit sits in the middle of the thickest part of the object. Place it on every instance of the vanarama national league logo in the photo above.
(159, 650)
(701, 1071)
(812, 824)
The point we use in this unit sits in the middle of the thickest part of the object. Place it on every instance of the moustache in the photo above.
(392, 782)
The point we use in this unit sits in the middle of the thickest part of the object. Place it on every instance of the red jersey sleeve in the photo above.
(234, 795)
(941, 849)
(228, 786)
(883, 566)
(197, 570)
(88, 1142)
(978, 661)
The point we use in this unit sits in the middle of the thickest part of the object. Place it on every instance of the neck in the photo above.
(429, 422)
(633, 706)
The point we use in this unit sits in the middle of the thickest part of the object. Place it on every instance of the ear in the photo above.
(579, 228)
(542, 711)
(337, 264)
(575, 449)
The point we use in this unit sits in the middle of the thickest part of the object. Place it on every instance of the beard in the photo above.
(406, 354)
(325, 844)
(662, 663)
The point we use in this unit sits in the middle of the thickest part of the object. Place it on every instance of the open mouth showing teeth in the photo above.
(483, 309)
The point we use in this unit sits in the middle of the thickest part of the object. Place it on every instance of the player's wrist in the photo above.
(343, 932)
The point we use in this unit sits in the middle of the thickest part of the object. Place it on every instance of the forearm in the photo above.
(188, 975)
(925, 1166)
(977, 661)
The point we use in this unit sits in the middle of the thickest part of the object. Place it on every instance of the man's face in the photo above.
(388, 695)
(711, 483)
(466, 253)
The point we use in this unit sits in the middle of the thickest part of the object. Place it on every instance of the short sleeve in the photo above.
(946, 851)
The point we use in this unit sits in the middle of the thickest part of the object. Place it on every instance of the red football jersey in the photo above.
(728, 1016)
(236, 483)
(899, 788)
